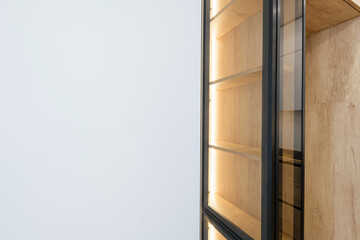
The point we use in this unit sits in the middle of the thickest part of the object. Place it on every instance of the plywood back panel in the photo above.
(332, 133)
(238, 121)
(240, 49)
(217, 5)
(233, 14)
(236, 108)
(238, 113)
(238, 181)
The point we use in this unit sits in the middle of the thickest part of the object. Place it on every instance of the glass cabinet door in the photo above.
(234, 116)
(290, 115)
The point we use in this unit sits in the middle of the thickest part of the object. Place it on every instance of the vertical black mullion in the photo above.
(269, 167)
(277, 122)
(303, 121)
(204, 228)
(205, 101)
(205, 111)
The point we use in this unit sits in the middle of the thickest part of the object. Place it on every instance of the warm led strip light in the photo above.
(212, 154)
(211, 232)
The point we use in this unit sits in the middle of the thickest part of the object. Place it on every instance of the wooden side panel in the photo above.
(332, 133)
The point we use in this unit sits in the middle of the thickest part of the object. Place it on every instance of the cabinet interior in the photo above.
(235, 112)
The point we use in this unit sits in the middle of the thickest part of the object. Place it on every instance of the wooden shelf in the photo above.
(322, 14)
(244, 151)
(234, 13)
(247, 223)
(251, 152)
(238, 79)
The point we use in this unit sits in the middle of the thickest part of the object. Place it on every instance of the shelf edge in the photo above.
(254, 70)
(243, 154)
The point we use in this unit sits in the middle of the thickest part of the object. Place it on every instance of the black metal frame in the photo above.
(270, 126)
(217, 226)
(270, 154)
(303, 121)
(205, 109)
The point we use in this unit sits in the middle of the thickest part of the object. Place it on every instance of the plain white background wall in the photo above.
(99, 119)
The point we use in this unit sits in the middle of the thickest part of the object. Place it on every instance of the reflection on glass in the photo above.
(290, 118)
(235, 112)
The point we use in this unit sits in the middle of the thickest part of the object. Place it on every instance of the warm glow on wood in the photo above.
(212, 175)
(211, 232)
(212, 159)
(234, 113)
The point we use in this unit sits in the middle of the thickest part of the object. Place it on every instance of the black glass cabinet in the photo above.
(252, 119)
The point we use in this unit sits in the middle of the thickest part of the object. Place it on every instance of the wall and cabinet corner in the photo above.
(261, 125)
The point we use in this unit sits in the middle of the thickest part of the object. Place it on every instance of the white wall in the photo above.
(99, 119)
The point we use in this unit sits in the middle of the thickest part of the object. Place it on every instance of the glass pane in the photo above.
(210, 231)
(290, 118)
(235, 91)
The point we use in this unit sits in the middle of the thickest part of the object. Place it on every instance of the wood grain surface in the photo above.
(322, 14)
(332, 133)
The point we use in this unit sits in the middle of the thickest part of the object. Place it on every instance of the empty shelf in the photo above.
(238, 79)
(244, 151)
(241, 219)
